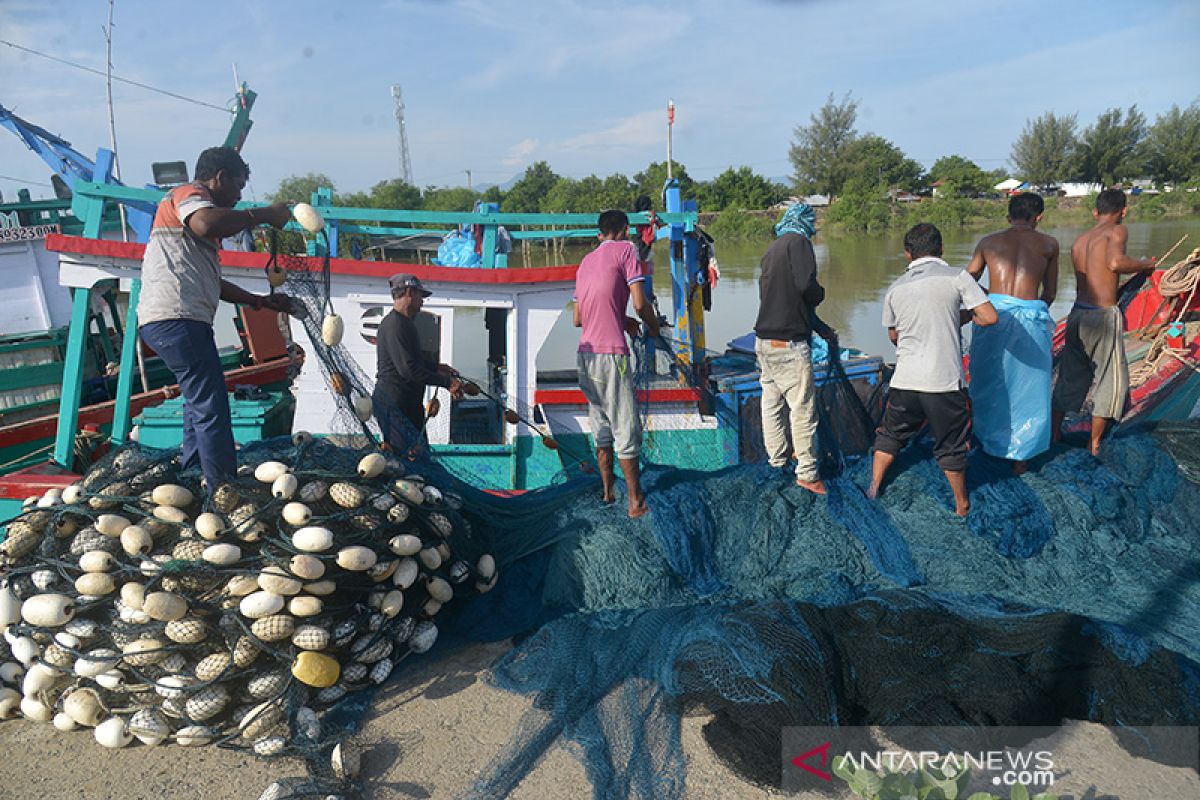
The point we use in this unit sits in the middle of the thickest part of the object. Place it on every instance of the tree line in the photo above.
(829, 155)
(540, 189)
(859, 171)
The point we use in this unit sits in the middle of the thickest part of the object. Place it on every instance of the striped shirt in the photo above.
(181, 272)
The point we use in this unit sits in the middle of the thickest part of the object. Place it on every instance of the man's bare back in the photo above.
(1100, 260)
(1019, 261)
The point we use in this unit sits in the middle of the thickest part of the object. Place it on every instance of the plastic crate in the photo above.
(253, 420)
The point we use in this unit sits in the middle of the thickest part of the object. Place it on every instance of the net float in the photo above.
(405, 544)
(72, 494)
(136, 541)
(316, 669)
(363, 408)
(95, 584)
(550, 443)
(511, 417)
(83, 705)
(149, 727)
(313, 491)
(113, 733)
(169, 494)
(222, 554)
(170, 514)
(276, 580)
(406, 573)
(133, 595)
(276, 276)
(308, 217)
(322, 588)
(432, 408)
(261, 604)
(371, 465)
(97, 560)
(310, 568)
(305, 606)
(61, 722)
(285, 486)
(209, 526)
(270, 471)
(332, 330)
(35, 709)
(312, 539)
(48, 610)
(164, 606)
(356, 558)
(242, 585)
(111, 524)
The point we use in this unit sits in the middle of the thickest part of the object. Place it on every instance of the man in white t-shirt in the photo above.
(924, 312)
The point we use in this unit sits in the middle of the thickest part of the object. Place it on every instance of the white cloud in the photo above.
(639, 130)
(519, 153)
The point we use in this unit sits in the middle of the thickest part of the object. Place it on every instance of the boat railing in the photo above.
(91, 199)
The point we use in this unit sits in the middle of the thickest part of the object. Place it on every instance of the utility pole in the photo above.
(405, 162)
(468, 179)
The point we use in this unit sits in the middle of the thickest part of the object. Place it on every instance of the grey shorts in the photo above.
(1093, 361)
(607, 382)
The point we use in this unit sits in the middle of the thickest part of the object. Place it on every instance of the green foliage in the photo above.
(863, 206)
(1177, 203)
(395, 194)
(300, 188)
(872, 158)
(1109, 151)
(1045, 150)
(528, 193)
(742, 225)
(738, 189)
(1171, 149)
(961, 176)
(818, 153)
(650, 181)
(493, 194)
(458, 198)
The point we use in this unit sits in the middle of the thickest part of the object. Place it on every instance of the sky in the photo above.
(492, 87)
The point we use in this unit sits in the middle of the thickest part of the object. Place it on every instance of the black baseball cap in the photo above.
(405, 281)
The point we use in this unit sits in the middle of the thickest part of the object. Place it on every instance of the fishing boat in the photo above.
(37, 310)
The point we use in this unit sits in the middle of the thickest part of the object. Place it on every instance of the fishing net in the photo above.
(1069, 592)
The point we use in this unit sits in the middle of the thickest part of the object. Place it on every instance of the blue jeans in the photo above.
(188, 349)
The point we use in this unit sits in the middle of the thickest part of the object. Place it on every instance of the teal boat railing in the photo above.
(91, 200)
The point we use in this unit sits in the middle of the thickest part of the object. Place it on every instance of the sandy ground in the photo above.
(432, 731)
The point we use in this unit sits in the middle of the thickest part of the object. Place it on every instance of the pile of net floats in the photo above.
(133, 607)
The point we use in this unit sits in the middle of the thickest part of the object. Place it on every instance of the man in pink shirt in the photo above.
(607, 279)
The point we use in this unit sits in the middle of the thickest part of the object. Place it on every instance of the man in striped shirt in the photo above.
(181, 288)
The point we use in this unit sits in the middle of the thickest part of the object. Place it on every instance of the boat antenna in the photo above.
(112, 123)
(112, 139)
(670, 126)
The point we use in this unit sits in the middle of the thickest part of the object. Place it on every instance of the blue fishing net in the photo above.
(1070, 592)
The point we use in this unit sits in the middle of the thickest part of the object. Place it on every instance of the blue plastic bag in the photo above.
(457, 250)
(1011, 372)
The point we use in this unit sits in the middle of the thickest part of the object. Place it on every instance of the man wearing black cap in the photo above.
(403, 371)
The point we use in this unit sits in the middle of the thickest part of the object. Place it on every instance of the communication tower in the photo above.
(405, 163)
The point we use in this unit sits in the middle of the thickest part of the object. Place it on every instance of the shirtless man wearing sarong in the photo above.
(1093, 358)
(1011, 364)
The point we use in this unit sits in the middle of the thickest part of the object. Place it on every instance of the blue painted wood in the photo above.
(72, 387)
(121, 417)
(488, 248)
(322, 200)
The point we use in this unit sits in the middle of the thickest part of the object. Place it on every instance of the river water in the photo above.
(856, 271)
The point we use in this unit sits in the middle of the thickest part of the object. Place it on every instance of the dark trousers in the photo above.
(188, 349)
(402, 420)
(949, 418)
